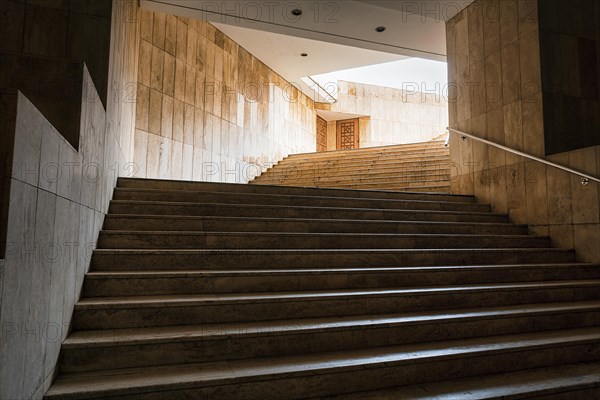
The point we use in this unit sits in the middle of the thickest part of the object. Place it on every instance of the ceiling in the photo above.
(336, 35)
(431, 9)
(282, 53)
(336, 116)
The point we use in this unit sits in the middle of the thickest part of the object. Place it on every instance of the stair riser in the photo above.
(238, 188)
(360, 173)
(210, 283)
(107, 260)
(289, 343)
(376, 376)
(330, 178)
(415, 151)
(388, 187)
(192, 197)
(297, 212)
(565, 394)
(370, 153)
(326, 168)
(316, 226)
(433, 160)
(258, 241)
(363, 182)
(239, 311)
(414, 156)
(441, 187)
(398, 179)
(382, 149)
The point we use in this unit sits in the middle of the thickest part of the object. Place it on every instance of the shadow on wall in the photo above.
(43, 46)
(494, 65)
(59, 192)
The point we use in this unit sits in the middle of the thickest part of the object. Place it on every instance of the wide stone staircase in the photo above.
(227, 291)
(420, 167)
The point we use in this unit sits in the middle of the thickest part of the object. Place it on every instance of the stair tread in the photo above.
(124, 182)
(225, 298)
(323, 234)
(543, 381)
(95, 338)
(131, 380)
(316, 251)
(318, 220)
(291, 196)
(284, 206)
(317, 271)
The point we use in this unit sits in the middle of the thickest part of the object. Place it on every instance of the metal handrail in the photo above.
(585, 178)
(323, 89)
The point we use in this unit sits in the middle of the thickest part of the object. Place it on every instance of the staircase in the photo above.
(226, 291)
(418, 167)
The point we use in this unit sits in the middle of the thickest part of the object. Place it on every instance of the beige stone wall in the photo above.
(395, 116)
(57, 201)
(208, 110)
(494, 65)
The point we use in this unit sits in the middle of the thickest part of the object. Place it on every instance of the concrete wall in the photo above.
(394, 116)
(58, 198)
(208, 110)
(43, 46)
(494, 64)
(570, 59)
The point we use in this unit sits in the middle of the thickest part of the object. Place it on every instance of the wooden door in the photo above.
(321, 134)
(347, 134)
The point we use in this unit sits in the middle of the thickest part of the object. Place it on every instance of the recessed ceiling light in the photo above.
(380, 29)
(297, 12)
(304, 54)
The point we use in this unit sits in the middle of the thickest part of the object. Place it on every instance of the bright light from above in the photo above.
(414, 74)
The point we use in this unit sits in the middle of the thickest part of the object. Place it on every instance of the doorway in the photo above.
(347, 134)
(321, 134)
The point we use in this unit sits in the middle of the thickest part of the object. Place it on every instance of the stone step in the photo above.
(128, 348)
(423, 188)
(272, 189)
(115, 283)
(122, 222)
(330, 171)
(359, 178)
(438, 187)
(284, 199)
(282, 211)
(417, 164)
(441, 160)
(393, 147)
(336, 373)
(364, 182)
(289, 240)
(145, 259)
(379, 149)
(371, 159)
(568, 382)
(196, 309)
(366, 153)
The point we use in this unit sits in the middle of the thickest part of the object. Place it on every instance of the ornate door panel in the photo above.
(321, 134)
(347, 134)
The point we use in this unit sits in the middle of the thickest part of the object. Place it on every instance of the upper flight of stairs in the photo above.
(420, 167)
(226, 291)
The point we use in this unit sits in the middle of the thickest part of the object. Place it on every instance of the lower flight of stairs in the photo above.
(417, 167)
(225, 291)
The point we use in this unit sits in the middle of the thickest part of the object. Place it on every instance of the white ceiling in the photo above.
(336, 34)
(442, 10)
(336, 116)
(282, 53)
